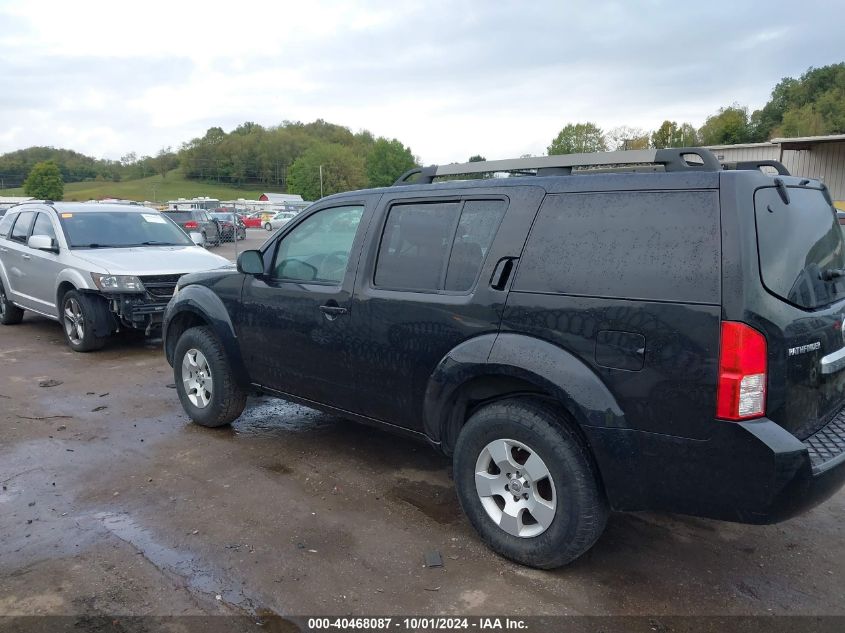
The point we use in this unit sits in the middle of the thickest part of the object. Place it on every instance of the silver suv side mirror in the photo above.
(43, 243)
(197, 239)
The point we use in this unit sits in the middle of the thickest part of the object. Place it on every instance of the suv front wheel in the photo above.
(528, 484)
(204, 381)
(78, 322)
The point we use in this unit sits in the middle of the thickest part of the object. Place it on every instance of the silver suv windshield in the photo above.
(121, 229)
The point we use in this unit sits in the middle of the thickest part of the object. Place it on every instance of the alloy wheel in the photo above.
(196, 376)
(74, 321)
(515, 488)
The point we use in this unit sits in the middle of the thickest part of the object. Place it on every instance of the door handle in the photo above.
(502, 272)
(25, 256)
(333, 311)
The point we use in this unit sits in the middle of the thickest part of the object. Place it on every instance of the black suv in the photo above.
(198, 221)
(642, 330)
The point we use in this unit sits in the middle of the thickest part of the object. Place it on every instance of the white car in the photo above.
(96, 268)
(278, 220)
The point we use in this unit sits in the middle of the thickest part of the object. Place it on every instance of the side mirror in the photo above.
(43, 243)
(251, 263)
(196, 238)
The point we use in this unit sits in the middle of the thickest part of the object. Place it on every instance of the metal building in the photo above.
(820, 157)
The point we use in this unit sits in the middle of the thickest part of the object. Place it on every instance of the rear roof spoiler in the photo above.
(757, 164)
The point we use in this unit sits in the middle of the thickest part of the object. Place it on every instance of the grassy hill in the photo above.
(150, 188)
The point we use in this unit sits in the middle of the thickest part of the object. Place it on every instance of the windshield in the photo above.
(226, 217)
(121, 229)
(798, 244)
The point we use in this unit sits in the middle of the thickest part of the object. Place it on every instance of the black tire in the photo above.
(241, 234)
(268, 226)
(205, 242)
(10, 314)
(82, 307)
(581, 510)
(227, 399)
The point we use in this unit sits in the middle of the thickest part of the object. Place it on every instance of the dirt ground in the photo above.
(113, 503)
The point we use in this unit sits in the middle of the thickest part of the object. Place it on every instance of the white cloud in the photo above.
(449, 79)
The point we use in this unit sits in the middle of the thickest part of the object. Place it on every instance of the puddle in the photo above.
(179, 562)
(437, 502)
(271, 416)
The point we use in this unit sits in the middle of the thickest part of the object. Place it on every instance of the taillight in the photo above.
(741, 393)
(191, 225)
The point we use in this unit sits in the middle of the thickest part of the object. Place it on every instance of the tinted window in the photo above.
(21, 229)
(638, 245)
(318, 248)
(117, 229)
(476, 229)
(43, 226)
(180, 216)
(6, 223)
(415, 245)
(797, 242)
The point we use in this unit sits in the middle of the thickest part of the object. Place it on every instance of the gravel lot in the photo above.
(112, 503)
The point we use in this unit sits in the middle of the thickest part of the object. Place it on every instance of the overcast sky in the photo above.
(448, 79)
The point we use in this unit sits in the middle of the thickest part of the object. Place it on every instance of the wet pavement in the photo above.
(113, 503)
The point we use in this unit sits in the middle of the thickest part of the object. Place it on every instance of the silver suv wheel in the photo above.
(74, 321)
(515, 488)
(196, 376)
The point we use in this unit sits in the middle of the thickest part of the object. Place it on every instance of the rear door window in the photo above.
(436, 246)
(21, 229)
(797, 243)
(649, 245)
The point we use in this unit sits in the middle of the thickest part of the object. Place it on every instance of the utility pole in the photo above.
(321, 181)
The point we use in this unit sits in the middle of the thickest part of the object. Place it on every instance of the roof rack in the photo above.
(672, 159)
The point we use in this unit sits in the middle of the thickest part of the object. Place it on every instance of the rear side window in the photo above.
(477, 227)
(21, 229)
(434, 246)
(662, 245)
(797, 243)
(6, 223)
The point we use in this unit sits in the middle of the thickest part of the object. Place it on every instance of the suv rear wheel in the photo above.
(78, 322)
(10, 314)
(204, 380)
(528, 484)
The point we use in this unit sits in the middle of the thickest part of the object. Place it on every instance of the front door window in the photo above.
(317, 250)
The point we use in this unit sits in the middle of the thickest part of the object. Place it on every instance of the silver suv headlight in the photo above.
(117, 283)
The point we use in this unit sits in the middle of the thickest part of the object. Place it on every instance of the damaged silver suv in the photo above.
(95, 268)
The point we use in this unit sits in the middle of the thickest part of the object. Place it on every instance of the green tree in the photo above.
(386, 161)
(810, 105)
(578, 137)
(670, 134)
(728, 127)
(45, 182)
(165, 160)
(342, 169)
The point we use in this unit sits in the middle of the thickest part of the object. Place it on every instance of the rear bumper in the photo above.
(750, 472)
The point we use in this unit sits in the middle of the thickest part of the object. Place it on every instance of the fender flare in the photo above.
(203, 304)
(547, 367)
